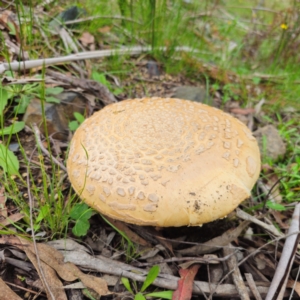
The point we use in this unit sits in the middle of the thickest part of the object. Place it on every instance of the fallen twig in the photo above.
(236, 274)
(269, 227)
(29, 64)
(44, 150)
(282, 272)
(40, 269)
(253, 286)
(96, 88)
(108, 266)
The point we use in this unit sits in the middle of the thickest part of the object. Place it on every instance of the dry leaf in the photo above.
(11, 219)
(3, 209)
(132, 235)
(294, 285)
(185, 283)
(104, 29)
(217, 242)
(52, 284)
(7, 293)
(87, 39)
(52, 262)
(242, 111)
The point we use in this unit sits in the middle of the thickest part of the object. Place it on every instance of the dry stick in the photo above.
(236, 274)
(254, 253)
(269, 227)
(29, 64)
(295, 283)
(204, 260)
(44, 150)
(22, 288)
(253, 286)
(108, 266)
(41, 271)
(280, 278)
(94, 87)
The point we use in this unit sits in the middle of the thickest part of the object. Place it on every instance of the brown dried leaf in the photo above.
(242, 111)
(52, 262)
(105, 29)
(87, 39)
(3, 209)
(11, 219)
(131, 235)
(69, 271)
(294, 285)
(52, 284)
(278, 216)
(216, 243)
(7, 293)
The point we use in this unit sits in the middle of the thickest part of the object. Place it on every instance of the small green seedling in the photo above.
(100, 77)
(131, 250)
(16, 126)
(8, 161)
(81, 214)
(73, 125)
(152, 275)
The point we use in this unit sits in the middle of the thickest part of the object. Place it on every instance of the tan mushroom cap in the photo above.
(163, 162)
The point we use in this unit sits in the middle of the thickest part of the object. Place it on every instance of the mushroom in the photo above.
(163, 162)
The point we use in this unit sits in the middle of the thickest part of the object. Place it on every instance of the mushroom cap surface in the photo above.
(163, 162)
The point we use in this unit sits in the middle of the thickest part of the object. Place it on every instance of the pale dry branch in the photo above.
(108, 266)
(44, 150)
(29, 64)
(269, 227)
(232, 264)
(253, 286)
(278, 284)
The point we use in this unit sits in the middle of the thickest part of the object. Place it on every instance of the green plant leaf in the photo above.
(4, 96)
(73, 125)
(14, 128)
(100, 77)
(44, 211)
(81, 211)
(81, 227)
(275, 206)
(153, 273)
(8, 161)
(123, 234)
(126, 283)
(139, 296)
(23, 103)
(12, 29)
(118, 91)
(163, 294)
(53, 90)
(51, 99)
(79, 117)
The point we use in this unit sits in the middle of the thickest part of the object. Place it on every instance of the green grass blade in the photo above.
(153, 273)
(126, 283)
(14, 128)
(163, 294)
(139, 296)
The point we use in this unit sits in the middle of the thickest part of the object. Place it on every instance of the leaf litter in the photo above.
(53, 270)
